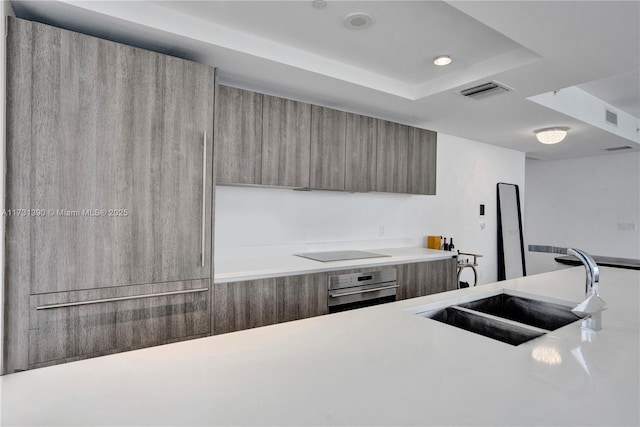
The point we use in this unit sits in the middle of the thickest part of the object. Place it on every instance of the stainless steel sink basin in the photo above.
(489, 327)
(544, 315)
(505, 317)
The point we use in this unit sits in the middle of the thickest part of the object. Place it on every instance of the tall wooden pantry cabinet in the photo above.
(109, 194)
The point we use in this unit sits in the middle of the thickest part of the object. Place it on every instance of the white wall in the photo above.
(254, 222)
(591, 203)
(5, 10)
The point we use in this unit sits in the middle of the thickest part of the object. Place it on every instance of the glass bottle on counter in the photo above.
(451, 246)
(445, 247)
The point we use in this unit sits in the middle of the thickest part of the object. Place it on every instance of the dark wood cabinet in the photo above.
(426, 278)
(361, 135)
(286, 146)
(299, 297)
(238, 136)
(243, 305)
(74, 325)
(327, 161)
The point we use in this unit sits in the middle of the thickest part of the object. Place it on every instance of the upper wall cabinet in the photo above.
(238, 136)
(406, 159)
(266, 140)
(109, 149)
(421, 166)
(392, 157)
(285, 142)
(361, 134)
(327, 167)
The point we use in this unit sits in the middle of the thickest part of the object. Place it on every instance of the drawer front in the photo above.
(100, 321)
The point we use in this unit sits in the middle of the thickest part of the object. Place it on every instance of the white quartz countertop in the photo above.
(291, 265)
(382, 366)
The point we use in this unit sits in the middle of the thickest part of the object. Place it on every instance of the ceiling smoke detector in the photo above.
(319, 4)
(358, 20)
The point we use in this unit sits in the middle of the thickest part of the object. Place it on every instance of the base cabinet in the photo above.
(243, 305)
(426, 278)
(72, 325)
(299, 297)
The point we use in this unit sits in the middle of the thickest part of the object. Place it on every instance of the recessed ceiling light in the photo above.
(319, 4)
(358, 20)
(442, 60)
(551, 135)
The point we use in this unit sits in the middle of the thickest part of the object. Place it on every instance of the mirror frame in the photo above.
(502, 267)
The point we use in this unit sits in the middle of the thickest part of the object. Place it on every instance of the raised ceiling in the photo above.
(401, 44)
(291, 49)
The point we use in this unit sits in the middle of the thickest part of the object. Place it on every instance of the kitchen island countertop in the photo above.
(381, 365)
(290, 265)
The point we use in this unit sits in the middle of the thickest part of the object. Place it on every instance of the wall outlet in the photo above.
(382, 231)
(627, 226)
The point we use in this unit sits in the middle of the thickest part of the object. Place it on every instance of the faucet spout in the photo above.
(591, 308)
(592, 269)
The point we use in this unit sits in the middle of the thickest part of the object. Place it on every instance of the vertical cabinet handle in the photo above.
(204, 193)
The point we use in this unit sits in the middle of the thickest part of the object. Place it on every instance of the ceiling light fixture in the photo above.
(358, 21)
(442, 60)
(551, 135)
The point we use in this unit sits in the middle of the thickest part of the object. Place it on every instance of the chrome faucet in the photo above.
(591, 308)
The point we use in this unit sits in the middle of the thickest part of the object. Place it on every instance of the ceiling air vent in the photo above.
(624, 147)
(484, 90)
(611, 117)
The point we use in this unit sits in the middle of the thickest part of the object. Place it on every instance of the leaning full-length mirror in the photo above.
(510, 242)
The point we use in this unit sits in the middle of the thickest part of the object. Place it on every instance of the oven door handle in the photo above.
(344, 294)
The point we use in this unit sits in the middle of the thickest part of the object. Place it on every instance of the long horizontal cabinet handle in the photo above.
(342, 294)
(100, 301)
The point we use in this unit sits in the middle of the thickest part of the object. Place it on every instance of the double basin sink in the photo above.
(505, 317)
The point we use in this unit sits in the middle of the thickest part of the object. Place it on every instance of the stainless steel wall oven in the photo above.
(356, 290)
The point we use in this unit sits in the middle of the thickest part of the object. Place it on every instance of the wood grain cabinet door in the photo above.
(426, 278)
(74, 325)
(327, 148)
(243, 305)
(238, 136)
(107, 142)
(443, 275)
(361, 134)
(421, 169)
(299, 297)
(392, 157)
(285, 142)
